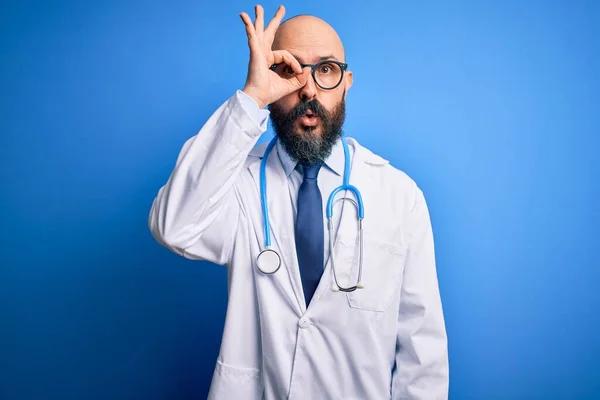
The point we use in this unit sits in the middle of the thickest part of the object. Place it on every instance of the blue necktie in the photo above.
(309, 232)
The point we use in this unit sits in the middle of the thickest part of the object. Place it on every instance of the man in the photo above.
(297, 333)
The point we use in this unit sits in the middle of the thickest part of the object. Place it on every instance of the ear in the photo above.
(349, 79)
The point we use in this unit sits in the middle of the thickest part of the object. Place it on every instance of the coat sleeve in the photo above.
(421, 370)
(195, 214)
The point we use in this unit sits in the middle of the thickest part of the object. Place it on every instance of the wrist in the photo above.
(257, 99)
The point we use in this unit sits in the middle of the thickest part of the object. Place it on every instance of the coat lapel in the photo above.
(345, 219)
(361, 165)
(281, 221)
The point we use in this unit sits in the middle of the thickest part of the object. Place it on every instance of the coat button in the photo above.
(304, 323)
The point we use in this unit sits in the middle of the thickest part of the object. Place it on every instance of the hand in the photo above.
(263, 84)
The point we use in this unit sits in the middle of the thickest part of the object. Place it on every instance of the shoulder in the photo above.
(256, 153)
(258, 150)
(388, 174)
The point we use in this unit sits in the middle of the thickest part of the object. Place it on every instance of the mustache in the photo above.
(312, 105)
(307, 147)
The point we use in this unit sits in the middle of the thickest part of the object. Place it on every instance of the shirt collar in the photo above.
(335, 162)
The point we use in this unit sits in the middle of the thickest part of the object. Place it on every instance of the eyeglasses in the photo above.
(327, 74)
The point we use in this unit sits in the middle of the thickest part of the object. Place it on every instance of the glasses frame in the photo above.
(313, 67)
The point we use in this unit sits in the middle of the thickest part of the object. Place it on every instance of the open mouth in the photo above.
(309, 118)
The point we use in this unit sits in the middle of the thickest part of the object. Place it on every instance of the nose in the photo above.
(309, 90)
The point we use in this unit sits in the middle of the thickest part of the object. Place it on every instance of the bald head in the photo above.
(309, 38)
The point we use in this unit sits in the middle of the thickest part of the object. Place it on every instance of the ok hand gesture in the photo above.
(263, 84)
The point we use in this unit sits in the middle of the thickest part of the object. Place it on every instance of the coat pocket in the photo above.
(233, 382)
(382, 267)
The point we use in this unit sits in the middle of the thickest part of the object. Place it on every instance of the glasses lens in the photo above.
(328, 74)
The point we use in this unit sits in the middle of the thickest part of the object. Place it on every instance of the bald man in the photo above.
(327, 300)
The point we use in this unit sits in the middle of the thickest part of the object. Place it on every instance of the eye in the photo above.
(287, 70)
(325, 69)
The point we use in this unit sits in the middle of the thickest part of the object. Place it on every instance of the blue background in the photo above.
(492, 107)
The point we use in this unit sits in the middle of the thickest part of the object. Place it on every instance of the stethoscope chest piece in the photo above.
(268, 261)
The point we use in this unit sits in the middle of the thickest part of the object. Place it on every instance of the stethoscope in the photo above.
(268, 260)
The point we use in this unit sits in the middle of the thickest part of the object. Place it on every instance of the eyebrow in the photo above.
(328, 57)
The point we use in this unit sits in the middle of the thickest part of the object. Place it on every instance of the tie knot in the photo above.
(311, 172)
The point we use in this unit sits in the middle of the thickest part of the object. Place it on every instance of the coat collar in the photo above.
(335, 161)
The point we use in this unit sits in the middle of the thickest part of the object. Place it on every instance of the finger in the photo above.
(287, 57)
(274, 23)
(302, 79)
(259, 24)
(248, 23)
(297, 82)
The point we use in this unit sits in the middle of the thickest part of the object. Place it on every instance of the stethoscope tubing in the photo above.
(329, 213)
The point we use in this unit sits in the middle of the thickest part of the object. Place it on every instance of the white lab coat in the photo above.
(386, 341)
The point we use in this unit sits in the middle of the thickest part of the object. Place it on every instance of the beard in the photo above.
(304, 144)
